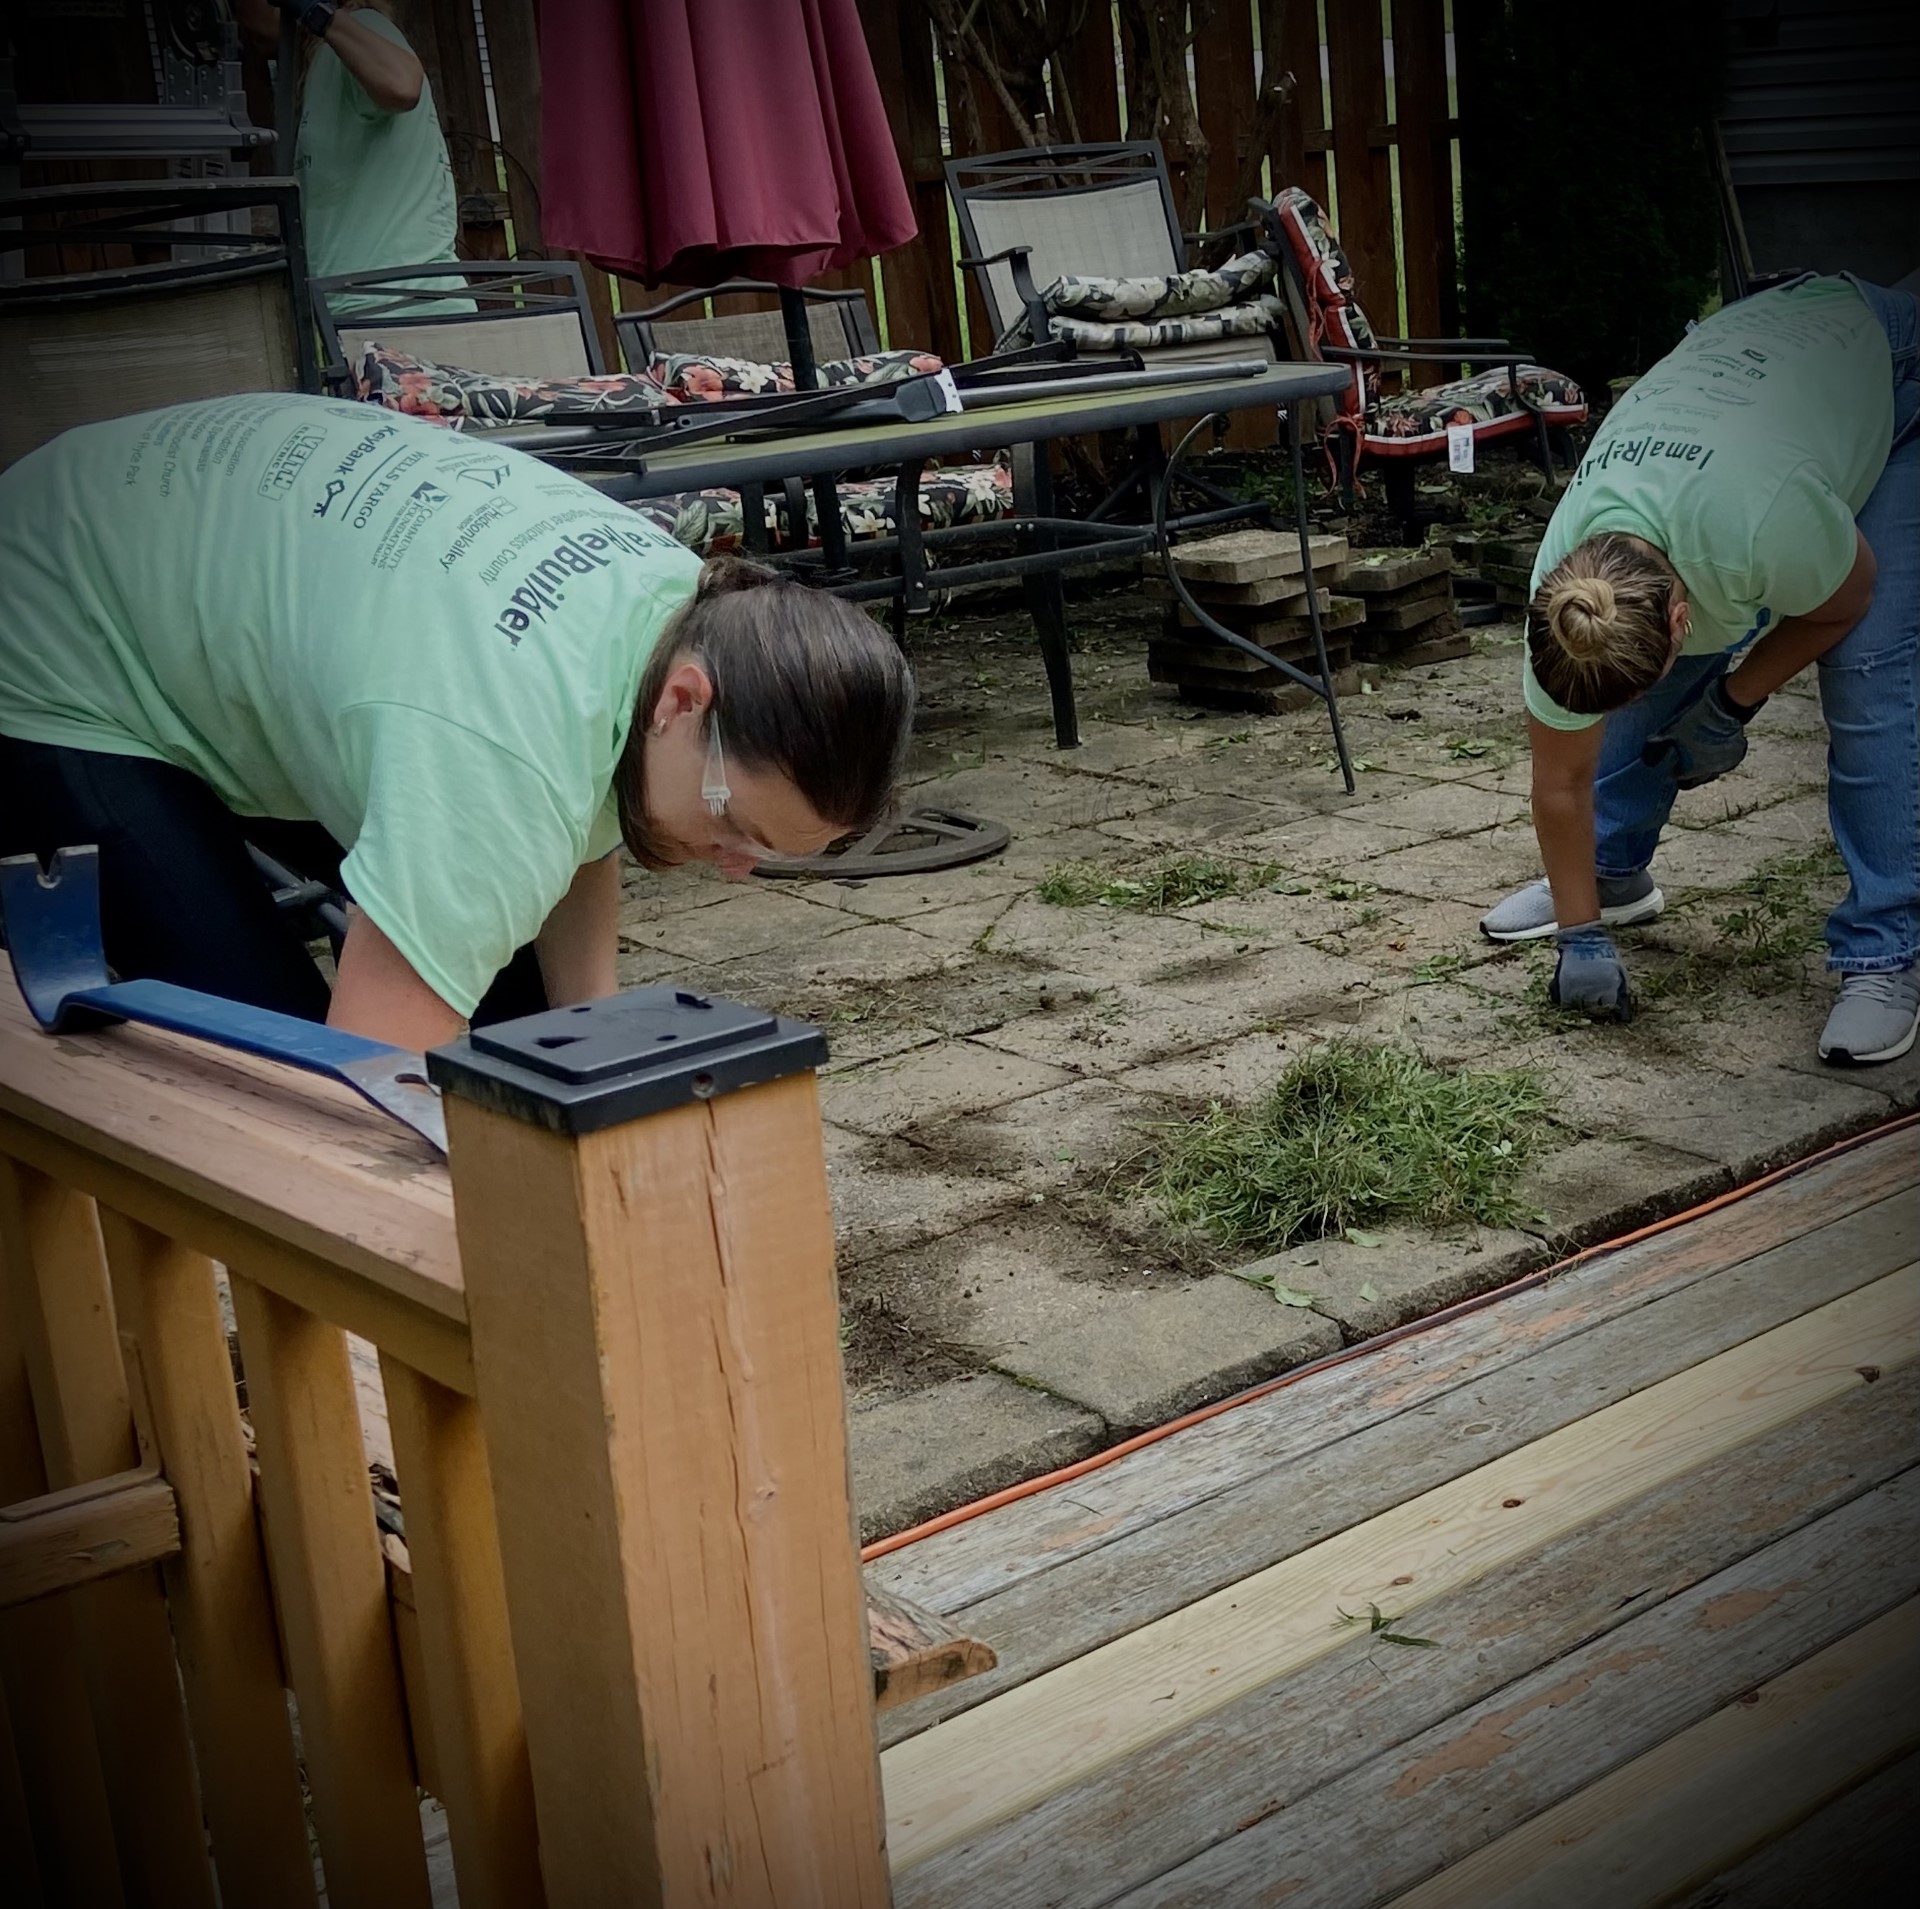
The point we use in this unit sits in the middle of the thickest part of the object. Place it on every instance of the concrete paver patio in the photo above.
(996, 1058)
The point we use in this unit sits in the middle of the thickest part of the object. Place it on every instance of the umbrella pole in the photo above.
(806, 377)
(793, 314)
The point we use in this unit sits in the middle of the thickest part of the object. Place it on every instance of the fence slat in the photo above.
(656, 1350)
(1223, 92)
(1290, 36)
(1356, 65)
(327, 1568)
(1093, 77)
(221, 1605)
(62, 1309)
(1426, 173)
(63, 1790)
(480, 1743)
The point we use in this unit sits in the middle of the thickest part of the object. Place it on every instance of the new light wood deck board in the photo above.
(1733, 1399)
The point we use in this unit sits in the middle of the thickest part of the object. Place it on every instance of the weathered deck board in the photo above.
(1001, 1760)
(1398, 1819)
(1857, 1850)
(1659, 1517)
(1282, 1509)
(956, 1568)
(1706, 1796)
(1294, 1739)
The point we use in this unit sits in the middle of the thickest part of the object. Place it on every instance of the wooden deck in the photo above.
(1659, 1519)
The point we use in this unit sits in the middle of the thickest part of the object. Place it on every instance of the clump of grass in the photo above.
(1158, 890)
(1352, 1135)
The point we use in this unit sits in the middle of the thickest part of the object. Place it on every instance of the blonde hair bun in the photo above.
(1580, 613)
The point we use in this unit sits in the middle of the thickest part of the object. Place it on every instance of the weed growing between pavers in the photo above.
(1354, 1134)
(1158, 890)
(1765, 927)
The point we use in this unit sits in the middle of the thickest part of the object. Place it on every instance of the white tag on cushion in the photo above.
(1460, 447)
(949, 391)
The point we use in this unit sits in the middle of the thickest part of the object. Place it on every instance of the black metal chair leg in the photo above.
(1398, 479)
(1046, 597)
(1299, 465)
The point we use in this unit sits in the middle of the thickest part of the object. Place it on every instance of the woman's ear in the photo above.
(687, 689)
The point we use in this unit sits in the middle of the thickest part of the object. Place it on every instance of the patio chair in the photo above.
(117, 298)
(512, 317)
(1513, 396)
(1032, 217)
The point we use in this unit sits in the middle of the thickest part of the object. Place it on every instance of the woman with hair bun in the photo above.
(1752, 505)
(448, 675)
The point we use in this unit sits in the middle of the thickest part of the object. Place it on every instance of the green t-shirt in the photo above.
(1744, 455)
(329, 612)
(376, 188)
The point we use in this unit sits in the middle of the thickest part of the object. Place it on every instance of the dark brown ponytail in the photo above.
(804, 684)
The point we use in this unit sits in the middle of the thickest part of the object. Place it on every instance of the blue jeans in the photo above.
(1869, 693)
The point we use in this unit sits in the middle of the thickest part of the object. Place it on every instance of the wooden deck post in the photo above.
(648, 1256)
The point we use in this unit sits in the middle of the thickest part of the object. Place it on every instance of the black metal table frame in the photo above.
(1049, 544)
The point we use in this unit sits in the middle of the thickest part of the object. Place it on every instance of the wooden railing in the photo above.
(623, 1643)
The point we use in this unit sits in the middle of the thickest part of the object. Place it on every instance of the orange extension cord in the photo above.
(1014, 1493)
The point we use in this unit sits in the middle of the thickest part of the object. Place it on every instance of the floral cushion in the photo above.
(1257, 319)
(1080, 303)
(447, 395)
(1334, 314)
(1413, 422)
(711, 521)
(693, 375)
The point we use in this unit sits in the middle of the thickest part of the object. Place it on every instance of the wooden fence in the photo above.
(1375, 136)
(623, 1642)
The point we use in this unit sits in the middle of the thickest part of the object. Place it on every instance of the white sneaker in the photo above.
(1875, 1018)
(1625, 901)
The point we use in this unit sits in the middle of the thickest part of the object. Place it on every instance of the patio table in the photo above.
(1026, 420)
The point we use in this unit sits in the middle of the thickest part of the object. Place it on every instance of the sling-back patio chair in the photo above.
(1081, 245)
(1507, 394)
(510, 317)
(124, 297)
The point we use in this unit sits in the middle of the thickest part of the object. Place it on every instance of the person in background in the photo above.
(1752, 505)
(376, 186)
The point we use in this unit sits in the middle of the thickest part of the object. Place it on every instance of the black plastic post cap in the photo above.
(576, 1070)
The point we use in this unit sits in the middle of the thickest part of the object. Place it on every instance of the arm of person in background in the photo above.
(576, 947)
(389, 75)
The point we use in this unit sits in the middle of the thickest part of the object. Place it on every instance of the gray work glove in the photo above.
(1705, 740)
(315, 15)
(1588, 975)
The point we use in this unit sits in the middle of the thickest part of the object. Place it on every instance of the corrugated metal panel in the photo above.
(1820, 93)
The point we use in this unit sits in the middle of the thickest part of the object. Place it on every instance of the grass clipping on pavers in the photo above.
(1353, 1135)
(1157, 890)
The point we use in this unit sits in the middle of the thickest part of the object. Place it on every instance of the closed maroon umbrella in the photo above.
(697, 140)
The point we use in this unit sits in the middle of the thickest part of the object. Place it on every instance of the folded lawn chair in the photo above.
(1401, 428)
